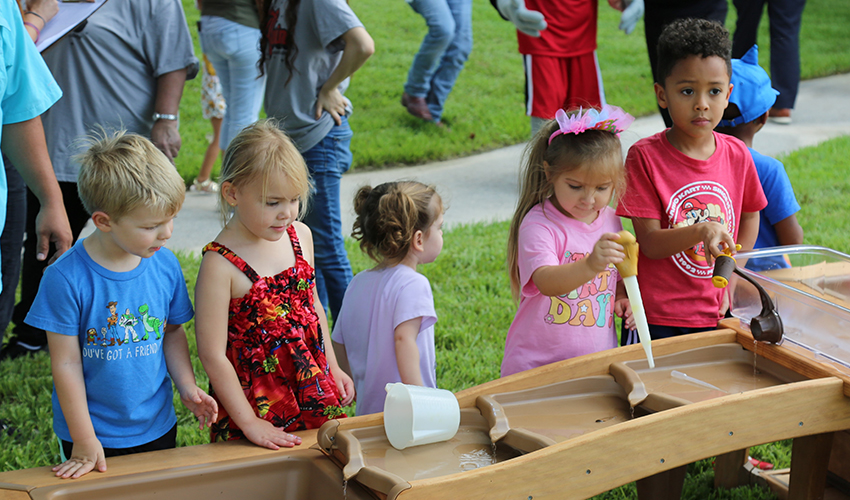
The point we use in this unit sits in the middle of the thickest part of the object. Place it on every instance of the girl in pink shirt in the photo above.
(562, 245)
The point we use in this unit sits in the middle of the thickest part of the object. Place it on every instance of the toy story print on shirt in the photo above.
(591, 304)
(696, 203)
(134, 333)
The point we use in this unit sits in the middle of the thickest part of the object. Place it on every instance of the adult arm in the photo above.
(67, 366)
(212, 302)
(39, 13)
(358, 48)
(24, 144)
(658, 243)
(165, 134)
(407, 352)
(176, 351)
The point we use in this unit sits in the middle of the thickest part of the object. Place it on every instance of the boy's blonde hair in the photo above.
(389, 215)
(258, 150)
(597, 152)
(121, 171)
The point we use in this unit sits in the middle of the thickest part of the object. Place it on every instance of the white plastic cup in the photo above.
(416, 415)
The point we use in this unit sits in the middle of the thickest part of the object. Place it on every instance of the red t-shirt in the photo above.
(570, 31)
(666, 185)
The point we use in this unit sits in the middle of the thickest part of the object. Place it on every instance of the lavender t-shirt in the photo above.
(375, 303)
(548, 329)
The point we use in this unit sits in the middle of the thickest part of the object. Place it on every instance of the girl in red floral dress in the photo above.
(262, 333)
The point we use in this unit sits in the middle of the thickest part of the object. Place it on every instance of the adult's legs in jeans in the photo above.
(453, 59)
(441, 30)
(32, 268)
(233, 50)
(11, 241)
(327, 161)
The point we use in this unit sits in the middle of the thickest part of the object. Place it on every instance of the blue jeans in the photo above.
(443, 52)
(327, 161)
(233, 49)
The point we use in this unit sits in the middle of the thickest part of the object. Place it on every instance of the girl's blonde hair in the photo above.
(593, 151)
(258, 150)
(389, 215)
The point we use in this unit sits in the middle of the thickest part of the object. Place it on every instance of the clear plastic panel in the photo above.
(811, 288)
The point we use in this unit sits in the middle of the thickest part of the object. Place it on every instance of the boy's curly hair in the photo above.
(692, 37)
(389, 215)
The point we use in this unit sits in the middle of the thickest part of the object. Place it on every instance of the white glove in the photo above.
(631, 15)
(529, 22)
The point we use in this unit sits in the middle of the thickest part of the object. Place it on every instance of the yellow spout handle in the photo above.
(630, 246)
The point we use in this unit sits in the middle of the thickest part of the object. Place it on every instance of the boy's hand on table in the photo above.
(85, 457)
(263, 433)
(201, 404)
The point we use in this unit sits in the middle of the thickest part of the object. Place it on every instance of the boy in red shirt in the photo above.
(691, 192)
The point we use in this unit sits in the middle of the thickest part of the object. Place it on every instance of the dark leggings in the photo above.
(167, 441)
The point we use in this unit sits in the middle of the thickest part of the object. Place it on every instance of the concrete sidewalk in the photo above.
(483, 187)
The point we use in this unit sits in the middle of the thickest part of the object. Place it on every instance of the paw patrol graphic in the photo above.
(698, 203)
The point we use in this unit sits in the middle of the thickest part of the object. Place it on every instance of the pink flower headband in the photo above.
(610, 119)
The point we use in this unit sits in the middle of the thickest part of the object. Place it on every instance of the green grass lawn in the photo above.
(486, 109)
(473, 302)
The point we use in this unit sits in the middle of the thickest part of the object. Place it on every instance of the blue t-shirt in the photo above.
(27, 88)
(120, 319)
(781, 204)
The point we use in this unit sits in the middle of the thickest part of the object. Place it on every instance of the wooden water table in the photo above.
(571, 429)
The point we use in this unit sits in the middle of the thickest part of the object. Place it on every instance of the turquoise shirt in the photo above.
(27, 88)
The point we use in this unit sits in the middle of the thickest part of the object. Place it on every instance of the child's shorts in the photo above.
(552, 83)
(212, 102)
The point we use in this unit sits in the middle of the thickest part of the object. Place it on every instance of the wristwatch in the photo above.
(163, 116)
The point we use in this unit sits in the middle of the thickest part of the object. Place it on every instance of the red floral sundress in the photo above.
(274, 342)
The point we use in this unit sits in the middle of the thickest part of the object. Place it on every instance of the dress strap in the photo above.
(233, 258)
(296, 245)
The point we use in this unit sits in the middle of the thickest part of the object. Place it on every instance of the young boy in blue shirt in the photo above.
(746, 115)
(113, 308)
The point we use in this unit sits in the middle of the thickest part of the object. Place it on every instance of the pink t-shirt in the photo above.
(375, 303)
(548, 329)
(666, 185)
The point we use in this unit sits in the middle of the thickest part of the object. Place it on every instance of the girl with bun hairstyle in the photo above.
(385, 330)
